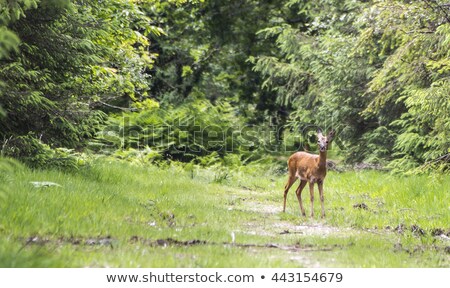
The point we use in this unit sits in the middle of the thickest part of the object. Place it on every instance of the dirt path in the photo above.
(283, 229)
(271, 222)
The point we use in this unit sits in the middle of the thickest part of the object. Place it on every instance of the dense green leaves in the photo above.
(377, 71)
(194, 131)
(73, 59)
(414, 78)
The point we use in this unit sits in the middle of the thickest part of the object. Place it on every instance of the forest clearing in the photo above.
(157, 133)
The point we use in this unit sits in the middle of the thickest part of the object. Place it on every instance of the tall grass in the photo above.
(389, 200)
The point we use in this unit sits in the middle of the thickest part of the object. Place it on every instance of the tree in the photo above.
(10, 12)
(377, 69)
(73, 59)
(205, 51)
(413, 38)
(316, 71)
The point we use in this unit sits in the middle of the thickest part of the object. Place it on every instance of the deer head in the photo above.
(324, 141)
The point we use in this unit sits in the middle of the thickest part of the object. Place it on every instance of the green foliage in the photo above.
(413, 39)
(205, 50)
(8, 41)
(225, 88)
(195, 129)
(257, 75)
(36, 154)
(13, 10)
(316, 72)
(73, 59)
(376, 71)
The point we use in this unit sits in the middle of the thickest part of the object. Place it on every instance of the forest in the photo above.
(257, 77)
(221, 93)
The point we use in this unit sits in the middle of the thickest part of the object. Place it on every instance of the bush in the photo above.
(192, 131)
(36, 154)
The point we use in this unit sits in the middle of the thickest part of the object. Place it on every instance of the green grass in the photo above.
(113, 214)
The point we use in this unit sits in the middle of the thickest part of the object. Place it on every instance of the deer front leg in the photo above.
(299, 195)
(311, 193)
(291, 181)
(322, 198)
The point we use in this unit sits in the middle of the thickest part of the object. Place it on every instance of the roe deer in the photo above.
(309, 168)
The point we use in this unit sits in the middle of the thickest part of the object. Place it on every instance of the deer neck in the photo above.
(323, 158)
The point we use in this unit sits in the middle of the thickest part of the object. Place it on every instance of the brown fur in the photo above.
(309, 168)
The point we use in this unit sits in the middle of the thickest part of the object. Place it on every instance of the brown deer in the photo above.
(309, 168)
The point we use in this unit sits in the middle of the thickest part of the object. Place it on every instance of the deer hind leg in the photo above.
(311, 194)
(299, 195)
(291, 181)
(322, 198)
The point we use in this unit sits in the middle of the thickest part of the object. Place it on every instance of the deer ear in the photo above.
(319, 131)
(331, 134)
